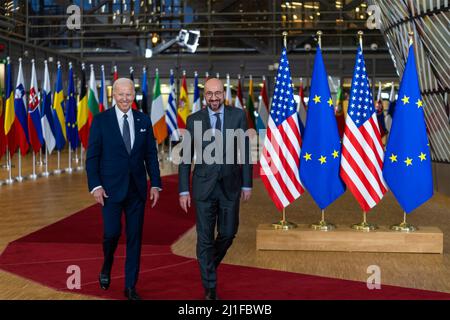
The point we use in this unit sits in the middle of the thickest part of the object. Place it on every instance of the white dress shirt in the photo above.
(120, 120)
(213, 120)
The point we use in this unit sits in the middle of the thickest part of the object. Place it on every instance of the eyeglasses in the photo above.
(218, 94)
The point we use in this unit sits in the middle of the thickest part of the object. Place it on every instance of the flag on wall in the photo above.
(362, 150)
(407, 162)
(280, 157)
(321, 147)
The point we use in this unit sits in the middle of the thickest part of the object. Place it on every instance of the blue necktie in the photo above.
(218, 122)
(126, 133)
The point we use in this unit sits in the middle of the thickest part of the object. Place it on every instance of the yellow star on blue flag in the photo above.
(410, 180)
(72, 128)
(321, 138)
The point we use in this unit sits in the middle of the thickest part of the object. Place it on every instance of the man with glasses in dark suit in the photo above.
(218, 185)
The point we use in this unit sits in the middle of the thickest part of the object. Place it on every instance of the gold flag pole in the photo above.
(285, 34)
(404, 226)
(319, 38)
(363, 226)
(322, 225)
(284, 224)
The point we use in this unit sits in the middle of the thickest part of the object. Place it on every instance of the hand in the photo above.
(154, 196)
(99, 194)
(246, 194)
(185, 202)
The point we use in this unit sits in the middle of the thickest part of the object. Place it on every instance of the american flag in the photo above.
(280, 159)
(362, 150)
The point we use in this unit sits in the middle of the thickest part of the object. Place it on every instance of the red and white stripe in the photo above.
(362, 162)
(280, 161)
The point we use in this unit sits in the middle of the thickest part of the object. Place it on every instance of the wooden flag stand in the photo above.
(362, 237)
(344, 238)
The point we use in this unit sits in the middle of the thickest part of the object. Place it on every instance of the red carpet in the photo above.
(45, 255)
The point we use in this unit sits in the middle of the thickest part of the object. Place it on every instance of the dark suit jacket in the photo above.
(205, 176)
(108, 163)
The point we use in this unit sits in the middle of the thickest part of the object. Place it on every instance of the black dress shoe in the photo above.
(104, 280)
(210, 294)
(131, 294)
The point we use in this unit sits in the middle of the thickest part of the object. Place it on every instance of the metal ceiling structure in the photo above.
(430, 22)
(242, 35)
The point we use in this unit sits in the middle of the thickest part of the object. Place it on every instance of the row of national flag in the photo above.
(63, 119)
(48, 118)
(54, 118)
(313, 158)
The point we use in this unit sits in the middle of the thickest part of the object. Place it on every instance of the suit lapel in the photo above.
(226, 124)
(137, 127)
(206, 123)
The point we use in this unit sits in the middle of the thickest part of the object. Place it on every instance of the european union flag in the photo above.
(71, 117)
(407, 161)
(320, 157)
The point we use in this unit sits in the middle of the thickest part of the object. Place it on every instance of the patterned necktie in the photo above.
(126, 133)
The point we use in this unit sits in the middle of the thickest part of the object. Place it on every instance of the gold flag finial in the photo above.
(411, 36)
(360, 35)
(319, 38)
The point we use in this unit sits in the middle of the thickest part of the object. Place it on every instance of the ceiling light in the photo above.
(155, 38)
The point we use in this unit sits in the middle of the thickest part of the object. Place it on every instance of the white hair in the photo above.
(121, 82)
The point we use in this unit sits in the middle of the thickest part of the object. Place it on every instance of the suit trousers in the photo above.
(217, 209)
(133, 206)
